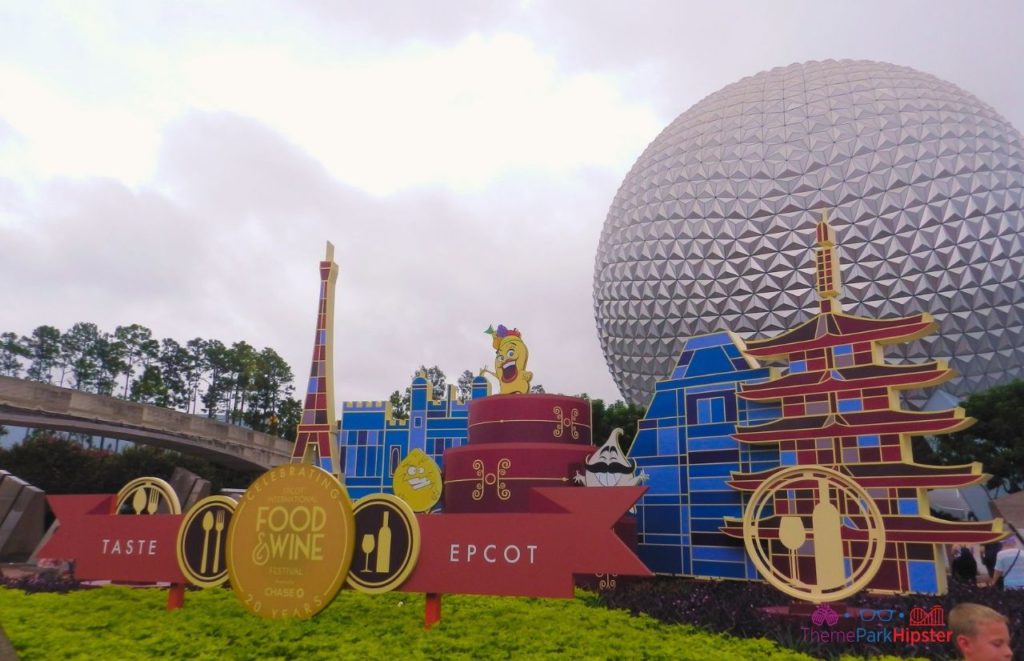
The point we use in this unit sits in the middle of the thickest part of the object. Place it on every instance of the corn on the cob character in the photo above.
(510, 359)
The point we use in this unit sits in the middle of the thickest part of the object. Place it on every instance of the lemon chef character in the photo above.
(510, 359)
(417, 481)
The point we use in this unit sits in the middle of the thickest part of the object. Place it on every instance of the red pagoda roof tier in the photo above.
(921, 375)
(897, 529)
(881, 476)
(885, 421)
(834, 328)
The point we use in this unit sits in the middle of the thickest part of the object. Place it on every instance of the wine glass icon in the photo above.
(792, 534)
(367, 546)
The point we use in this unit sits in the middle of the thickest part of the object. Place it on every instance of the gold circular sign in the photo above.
(147, 495)
(387, 543)
(202, 555)
(290, 542)
(417, 481)
(814, 533)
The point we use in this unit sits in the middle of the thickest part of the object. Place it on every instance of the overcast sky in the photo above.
(181, 164)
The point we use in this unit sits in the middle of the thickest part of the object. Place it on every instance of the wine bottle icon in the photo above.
(384, 546)
(829, 563)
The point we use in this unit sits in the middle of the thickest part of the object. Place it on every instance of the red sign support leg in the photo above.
(175, 596)
(431, 610)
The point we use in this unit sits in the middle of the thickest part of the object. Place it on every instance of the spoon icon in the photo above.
(207, 527)
(139, 500)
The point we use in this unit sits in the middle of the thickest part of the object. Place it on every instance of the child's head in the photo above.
(980, 633)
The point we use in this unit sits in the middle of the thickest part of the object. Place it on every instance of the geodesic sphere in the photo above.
(713, 227)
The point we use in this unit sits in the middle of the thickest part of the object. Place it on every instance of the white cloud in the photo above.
(65, 135)
(458, 117)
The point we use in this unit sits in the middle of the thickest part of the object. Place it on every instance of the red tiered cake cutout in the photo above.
(516, 442)
(533, 418)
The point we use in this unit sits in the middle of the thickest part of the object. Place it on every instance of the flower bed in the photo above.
(125, 623)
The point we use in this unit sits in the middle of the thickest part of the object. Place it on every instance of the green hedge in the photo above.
(58, 465)
(125, 623)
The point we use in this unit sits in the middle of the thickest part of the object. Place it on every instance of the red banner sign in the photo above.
(568, 531)
(105, 546)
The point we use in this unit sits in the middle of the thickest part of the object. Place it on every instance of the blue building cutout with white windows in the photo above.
(685, 445)
(372, 442)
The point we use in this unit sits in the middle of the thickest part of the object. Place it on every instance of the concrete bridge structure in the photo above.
(39, 405)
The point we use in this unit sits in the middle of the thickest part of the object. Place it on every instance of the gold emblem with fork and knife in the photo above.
(201, 541)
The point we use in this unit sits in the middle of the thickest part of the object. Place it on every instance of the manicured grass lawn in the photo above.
(123, 623)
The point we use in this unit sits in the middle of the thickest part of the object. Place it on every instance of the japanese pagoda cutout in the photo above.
(848, 508)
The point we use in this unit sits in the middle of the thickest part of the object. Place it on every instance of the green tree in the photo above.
(78, 348)
(149, 388)
(996, 440)
(289, 416)
(196, 367)
(399, 405)
(12, 350)
(218, 380)
(44, 347)
(437, 381)
(109, 354)
(271, 385)
(618, 414)
(242, 361)
(464, 386)
(174, 360)
(140, 349)
(599, 428)
(236, 383)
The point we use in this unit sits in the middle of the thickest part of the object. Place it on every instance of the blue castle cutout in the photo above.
(684, 444)
(372, 442)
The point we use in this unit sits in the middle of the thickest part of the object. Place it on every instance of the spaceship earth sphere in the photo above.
(713, 226)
